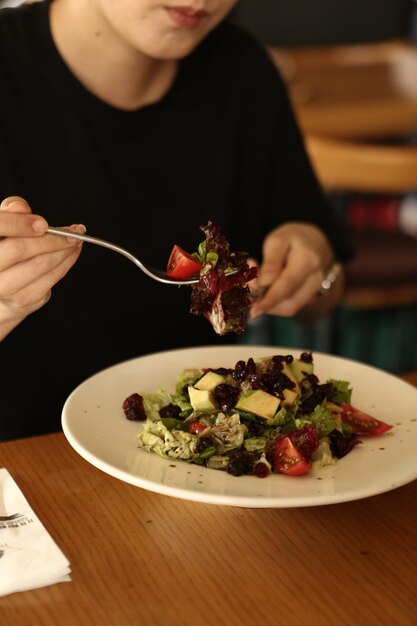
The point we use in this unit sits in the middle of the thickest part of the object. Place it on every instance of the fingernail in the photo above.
(9, 202)
(39, 225)
(79, 228)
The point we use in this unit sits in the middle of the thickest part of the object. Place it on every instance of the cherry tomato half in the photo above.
(197, 427)
(181, 264)
(362, 423)
(288, 458)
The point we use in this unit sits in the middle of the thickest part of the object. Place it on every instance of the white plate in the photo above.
(94, 424)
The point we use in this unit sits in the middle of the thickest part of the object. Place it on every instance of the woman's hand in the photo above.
(296, 257)
(31, 262)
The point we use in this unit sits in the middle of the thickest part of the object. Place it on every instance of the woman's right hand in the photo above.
(31, 262)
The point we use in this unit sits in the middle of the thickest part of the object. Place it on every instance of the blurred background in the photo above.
(318, 22)
(351, 72)
(325, 22)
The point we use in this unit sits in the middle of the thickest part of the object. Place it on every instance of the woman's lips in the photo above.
(186, 17)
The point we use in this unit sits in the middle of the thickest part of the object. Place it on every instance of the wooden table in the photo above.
(142, 558)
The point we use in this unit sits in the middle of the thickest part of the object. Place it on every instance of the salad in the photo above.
(223, 300)
(270, 415)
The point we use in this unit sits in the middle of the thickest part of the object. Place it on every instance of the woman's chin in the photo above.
(173, 51)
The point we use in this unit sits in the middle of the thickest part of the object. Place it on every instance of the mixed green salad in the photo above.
(263, 416)
(222, 298)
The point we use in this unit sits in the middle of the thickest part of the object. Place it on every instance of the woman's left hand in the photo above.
(296, 257)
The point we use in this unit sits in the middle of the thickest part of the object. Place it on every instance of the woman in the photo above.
(143, 121)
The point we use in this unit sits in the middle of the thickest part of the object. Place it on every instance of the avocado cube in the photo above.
(289, 398)
(201, 399)
(209, 381)
(288, 372)
(300, 368)
(260, 403)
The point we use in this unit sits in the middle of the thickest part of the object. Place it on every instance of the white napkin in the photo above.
(29, 558)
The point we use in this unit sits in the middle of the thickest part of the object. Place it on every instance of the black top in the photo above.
(222, 145)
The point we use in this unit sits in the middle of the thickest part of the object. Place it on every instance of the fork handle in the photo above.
(100, 242)
(67, 233)
(154, 274)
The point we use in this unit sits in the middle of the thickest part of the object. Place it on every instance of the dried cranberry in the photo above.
(314, 393)
(261, 470)
(282, 358)
(170, 410)
(244, 371)
(133, 408)
(242, 462)
(250, 367)
(223, 371)
(278, 390)
(239, 372)
(306, 440)
(255, 381)
(281, 382)
(203, 444)
(226, 396)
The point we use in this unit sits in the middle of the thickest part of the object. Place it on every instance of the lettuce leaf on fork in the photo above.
(223, 300)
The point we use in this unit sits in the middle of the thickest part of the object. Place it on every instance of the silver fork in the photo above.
(156, 274)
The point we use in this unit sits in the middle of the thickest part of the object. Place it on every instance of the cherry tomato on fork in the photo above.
(362, 423)
(181, 264)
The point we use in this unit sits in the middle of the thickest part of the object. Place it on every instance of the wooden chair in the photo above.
(384, 272)
(370, 167)
(353, 102)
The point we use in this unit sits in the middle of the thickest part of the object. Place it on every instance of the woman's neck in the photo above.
(109, 68)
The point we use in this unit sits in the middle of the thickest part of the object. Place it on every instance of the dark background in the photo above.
(316, 22)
